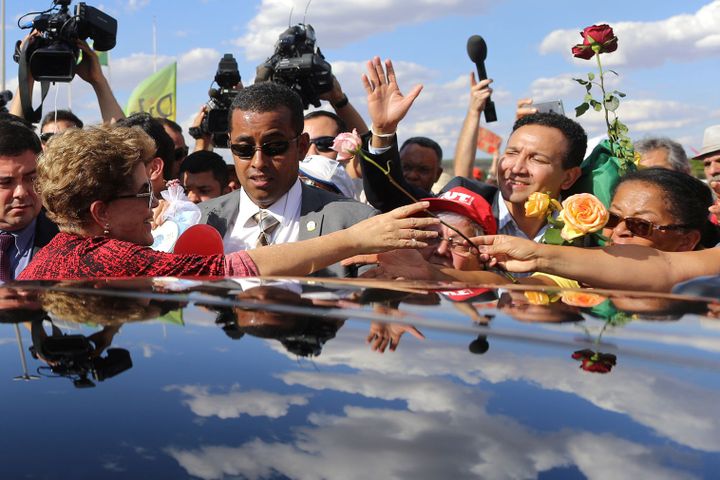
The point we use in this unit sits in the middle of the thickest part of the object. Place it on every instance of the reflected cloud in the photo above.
(236, 402)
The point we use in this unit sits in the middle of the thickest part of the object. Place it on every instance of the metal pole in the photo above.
(25, 376)
(154, 35)
(3, 45)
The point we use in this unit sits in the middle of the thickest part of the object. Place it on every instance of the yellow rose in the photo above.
(538, 204)
(582, 214)
(582, 299)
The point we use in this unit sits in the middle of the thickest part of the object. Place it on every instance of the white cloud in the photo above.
(337, 27)
(234, 403)
(134, 5)
(679, 38)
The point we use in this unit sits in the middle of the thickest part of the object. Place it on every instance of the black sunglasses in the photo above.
(323, 144)
(180, 153)
(640, 227)
(246, 151)
(44, 137)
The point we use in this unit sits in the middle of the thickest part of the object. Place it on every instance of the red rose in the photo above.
(595, 362)
(583, 51)
(596, 38)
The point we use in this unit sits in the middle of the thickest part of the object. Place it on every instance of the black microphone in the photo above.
(477, 51)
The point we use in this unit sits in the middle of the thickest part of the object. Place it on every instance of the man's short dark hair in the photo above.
(16, 138)
(427, 143)
(153, 127)
(61, 116)
(341, 125)
(204, 161)
(166, 122)
(268, 97)
(570, 129)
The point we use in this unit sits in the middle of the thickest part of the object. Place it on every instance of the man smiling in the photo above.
(273, 206)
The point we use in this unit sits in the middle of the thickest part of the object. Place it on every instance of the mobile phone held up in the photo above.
(556, 106)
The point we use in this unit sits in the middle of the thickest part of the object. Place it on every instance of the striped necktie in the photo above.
(267, 224)
(6, 241)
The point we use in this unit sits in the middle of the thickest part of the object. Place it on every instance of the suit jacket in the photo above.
(45, 230)
(321, 213)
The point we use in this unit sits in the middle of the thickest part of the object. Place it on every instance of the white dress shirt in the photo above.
(244, 233)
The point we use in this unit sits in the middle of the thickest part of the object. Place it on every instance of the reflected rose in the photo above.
(595, 362)
(582, 299)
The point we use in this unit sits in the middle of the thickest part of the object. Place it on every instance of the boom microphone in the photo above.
(477, 51)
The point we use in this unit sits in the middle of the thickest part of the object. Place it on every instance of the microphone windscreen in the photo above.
(476, 49)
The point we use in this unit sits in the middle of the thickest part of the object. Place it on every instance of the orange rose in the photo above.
(538, 204)
(582, 299)
(582, 213)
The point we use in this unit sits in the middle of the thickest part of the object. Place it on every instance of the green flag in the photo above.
(156, 94)
(103, 57)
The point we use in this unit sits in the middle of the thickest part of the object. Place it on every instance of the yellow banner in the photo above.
(156, 94)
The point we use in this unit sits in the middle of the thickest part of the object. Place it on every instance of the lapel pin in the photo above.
(311, 226)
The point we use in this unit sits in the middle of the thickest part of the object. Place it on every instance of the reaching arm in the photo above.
(631, 267)
(466, 147)
(89, 69)
(396, 229)
(344, 109)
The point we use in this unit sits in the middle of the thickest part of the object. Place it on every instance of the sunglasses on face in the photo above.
(180, 153)
(246, 151)
(44, 137)
(640, 227)
(323, 144)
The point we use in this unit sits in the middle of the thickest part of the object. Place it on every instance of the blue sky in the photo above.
(667, 56)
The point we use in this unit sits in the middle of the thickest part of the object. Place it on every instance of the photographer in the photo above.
(88, 69)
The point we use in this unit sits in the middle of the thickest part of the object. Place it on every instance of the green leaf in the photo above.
(552, 236)
(591, 76)
(619, 94)
(596, 105)
(612, 103)
(581, 81)
(588, 97)
(582, 108)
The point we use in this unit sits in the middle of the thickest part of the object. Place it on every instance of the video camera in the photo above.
(70, 356)
(298, 64)
(53, 55)
(215, 122)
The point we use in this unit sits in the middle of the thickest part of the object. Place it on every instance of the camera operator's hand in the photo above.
(386, 103)
(89, 69)
(204, 141)
(344, 109)
(524, 107)
(16, 105)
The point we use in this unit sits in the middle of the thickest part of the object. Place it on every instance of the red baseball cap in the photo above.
(468, 204)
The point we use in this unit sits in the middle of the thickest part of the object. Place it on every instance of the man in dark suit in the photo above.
(24, 229)
(273, 206)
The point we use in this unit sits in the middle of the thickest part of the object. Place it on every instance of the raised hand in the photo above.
(386, 103)
(395, 229)
(479, 93)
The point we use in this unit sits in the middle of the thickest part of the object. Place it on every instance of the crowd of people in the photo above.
(82, 202)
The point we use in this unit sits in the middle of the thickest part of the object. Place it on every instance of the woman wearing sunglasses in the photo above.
(94, 185)
(663, 209)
